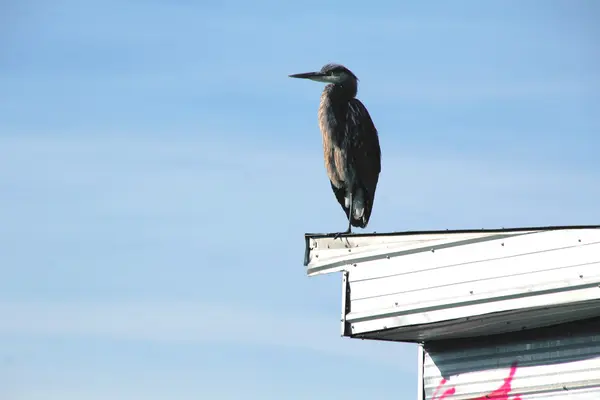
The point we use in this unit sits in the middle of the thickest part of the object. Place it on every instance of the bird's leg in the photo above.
(349, 230)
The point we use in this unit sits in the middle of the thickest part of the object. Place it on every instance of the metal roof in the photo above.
(317, 242)
(428, 285)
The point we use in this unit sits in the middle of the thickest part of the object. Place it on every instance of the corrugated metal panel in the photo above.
(561, 362)
(427, 286)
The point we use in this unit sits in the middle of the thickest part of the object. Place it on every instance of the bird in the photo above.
(350, 143)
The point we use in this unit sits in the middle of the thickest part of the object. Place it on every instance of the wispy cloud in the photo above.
(184, 176)
(188, 322)
(475, 91)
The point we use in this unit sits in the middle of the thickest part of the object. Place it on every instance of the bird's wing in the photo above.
(363, 147)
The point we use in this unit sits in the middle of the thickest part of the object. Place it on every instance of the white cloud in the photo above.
(198, 179)
(473, 91)
(189, 322)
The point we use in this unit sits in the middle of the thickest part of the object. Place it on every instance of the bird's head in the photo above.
(330, 73)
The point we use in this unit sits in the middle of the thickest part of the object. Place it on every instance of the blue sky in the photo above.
(158, 170)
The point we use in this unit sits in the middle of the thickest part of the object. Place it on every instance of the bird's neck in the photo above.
(346, 90)
(333, 112)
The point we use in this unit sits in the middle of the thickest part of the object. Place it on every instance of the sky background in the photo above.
(158, 170)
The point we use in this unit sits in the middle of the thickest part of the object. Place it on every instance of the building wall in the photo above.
(560, 362)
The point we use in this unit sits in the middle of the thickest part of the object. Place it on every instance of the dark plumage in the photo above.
(350, 143)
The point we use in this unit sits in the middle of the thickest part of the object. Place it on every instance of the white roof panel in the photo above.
(415, 286)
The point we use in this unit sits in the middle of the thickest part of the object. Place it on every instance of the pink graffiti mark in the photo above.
(502, 393)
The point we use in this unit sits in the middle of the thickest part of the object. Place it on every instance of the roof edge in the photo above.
(450, 231)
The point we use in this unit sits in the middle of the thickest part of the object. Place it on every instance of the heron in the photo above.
(350, 143)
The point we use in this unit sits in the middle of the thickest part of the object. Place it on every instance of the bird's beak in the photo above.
(313, 76)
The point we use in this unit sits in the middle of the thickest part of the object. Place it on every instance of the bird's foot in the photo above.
(337, 235)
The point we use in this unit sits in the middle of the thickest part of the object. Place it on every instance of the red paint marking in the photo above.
(437, 389)
(448, 392)
(502, 393)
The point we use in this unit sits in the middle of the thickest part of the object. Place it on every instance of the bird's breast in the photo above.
(334, 147)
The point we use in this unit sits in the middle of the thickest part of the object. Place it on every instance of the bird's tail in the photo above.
(359, 217)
